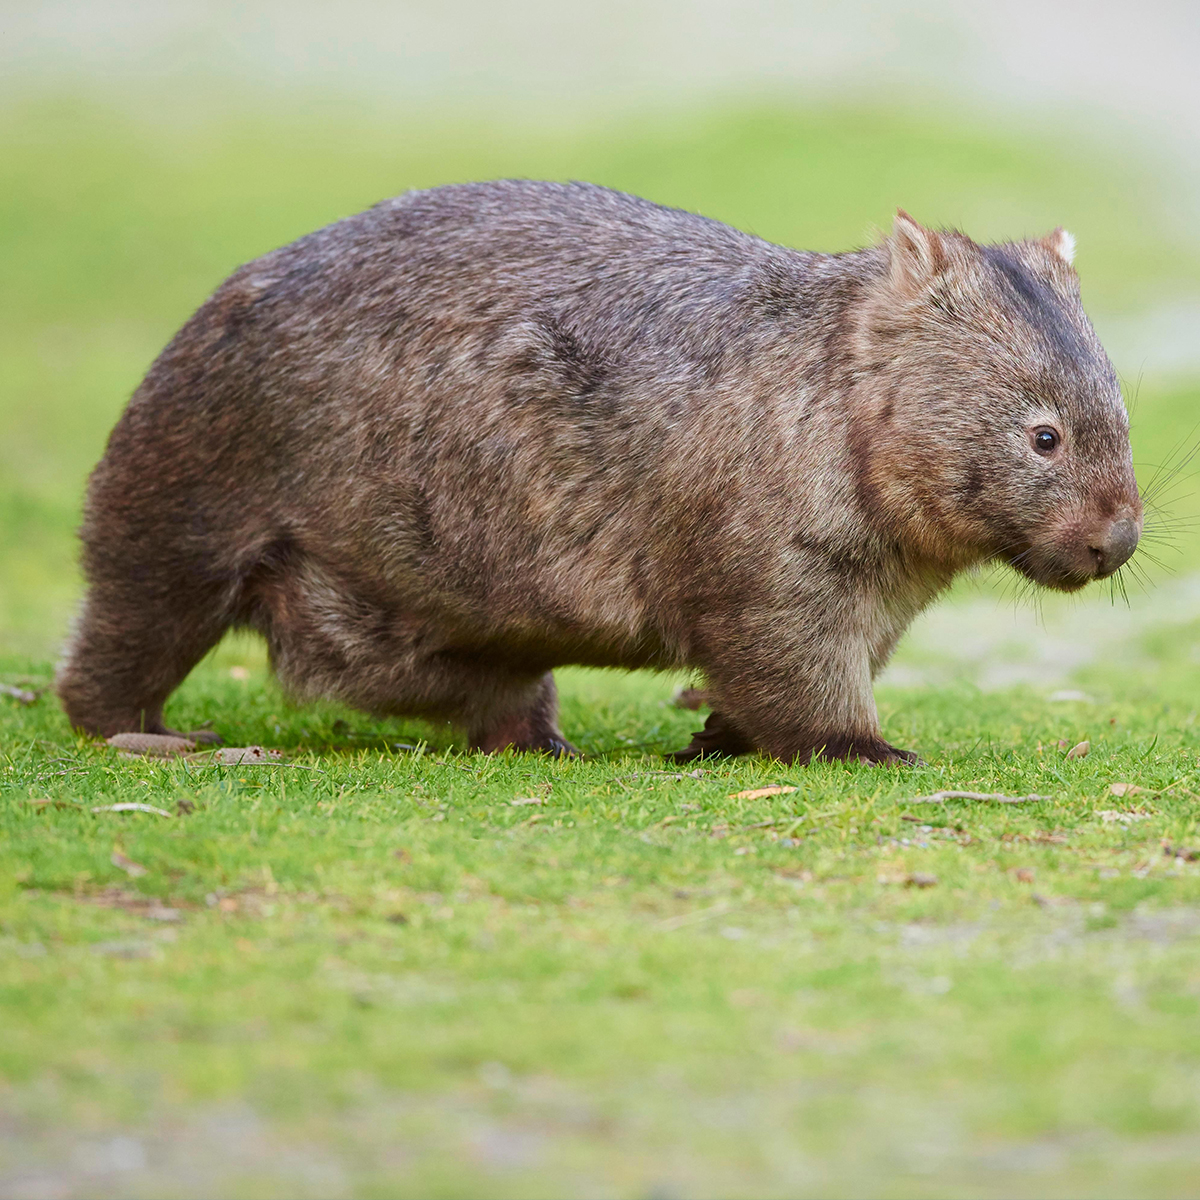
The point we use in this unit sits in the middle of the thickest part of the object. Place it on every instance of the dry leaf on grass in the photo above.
(776, 789)
(1080, 750)
(690, 698)
(127, 865)
(1125, 789)
(131, 807)
(1108, 815)
(243, 756)
(20, 695)
(154, 745)
(1023, 874)
(995, 797)
(527, 800)
(910, 879)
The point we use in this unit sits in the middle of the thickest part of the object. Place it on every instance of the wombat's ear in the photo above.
(919, 255)
(1062, 243)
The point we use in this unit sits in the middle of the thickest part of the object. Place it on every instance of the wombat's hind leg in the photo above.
(529, 721)
(130, 650)
(719, 737)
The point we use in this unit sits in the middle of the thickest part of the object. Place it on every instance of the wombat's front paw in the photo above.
(862, 749)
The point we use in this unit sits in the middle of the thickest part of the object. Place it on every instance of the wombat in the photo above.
(434, 450)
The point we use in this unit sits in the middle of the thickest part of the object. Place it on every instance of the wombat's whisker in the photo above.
(1119, 586)
(1160, 522)
(1158, 562)
(1160, 518)
(1168, 472)
(1138, 574)
(1132, 395)
(1165, 533)
(1168, 492)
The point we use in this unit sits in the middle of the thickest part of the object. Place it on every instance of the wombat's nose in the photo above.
(1113, 545)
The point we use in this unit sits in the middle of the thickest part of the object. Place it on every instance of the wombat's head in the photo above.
(992, 423)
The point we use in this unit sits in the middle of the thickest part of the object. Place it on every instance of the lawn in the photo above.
(387, 967)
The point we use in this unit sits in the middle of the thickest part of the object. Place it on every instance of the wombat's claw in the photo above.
(718, 738)
(560, 748)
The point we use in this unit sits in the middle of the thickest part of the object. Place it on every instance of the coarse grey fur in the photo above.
(434, 450)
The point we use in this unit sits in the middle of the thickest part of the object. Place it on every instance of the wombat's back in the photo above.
(484, 398)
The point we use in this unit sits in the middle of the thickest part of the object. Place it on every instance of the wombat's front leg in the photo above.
(810, 697)
(719, 737)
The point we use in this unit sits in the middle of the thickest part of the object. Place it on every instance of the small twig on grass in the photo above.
(690, 918)
(994, 797)
(218, 763)
(146, 808)
(672, 775)
(441, 762)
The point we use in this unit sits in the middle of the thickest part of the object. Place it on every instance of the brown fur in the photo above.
(435, 450)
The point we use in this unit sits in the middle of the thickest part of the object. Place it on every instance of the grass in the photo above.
(367, 971)
(640, 985)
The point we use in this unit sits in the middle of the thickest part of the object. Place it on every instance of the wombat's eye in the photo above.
(1045, 440)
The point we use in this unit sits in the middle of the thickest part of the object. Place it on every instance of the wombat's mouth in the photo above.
(1068, 582)
(1068, 568)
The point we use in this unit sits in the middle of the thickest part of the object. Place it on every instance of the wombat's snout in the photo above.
(1080, 551)
(1112, 544)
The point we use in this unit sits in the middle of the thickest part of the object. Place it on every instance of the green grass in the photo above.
(368, 972)
(638, 986)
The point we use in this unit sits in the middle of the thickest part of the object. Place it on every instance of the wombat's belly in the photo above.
(524, 603)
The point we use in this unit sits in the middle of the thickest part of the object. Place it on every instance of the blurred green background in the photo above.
(116, 221)
(122, 208)
(148, 149)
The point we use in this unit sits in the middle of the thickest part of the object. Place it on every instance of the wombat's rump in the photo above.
(432, 451)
